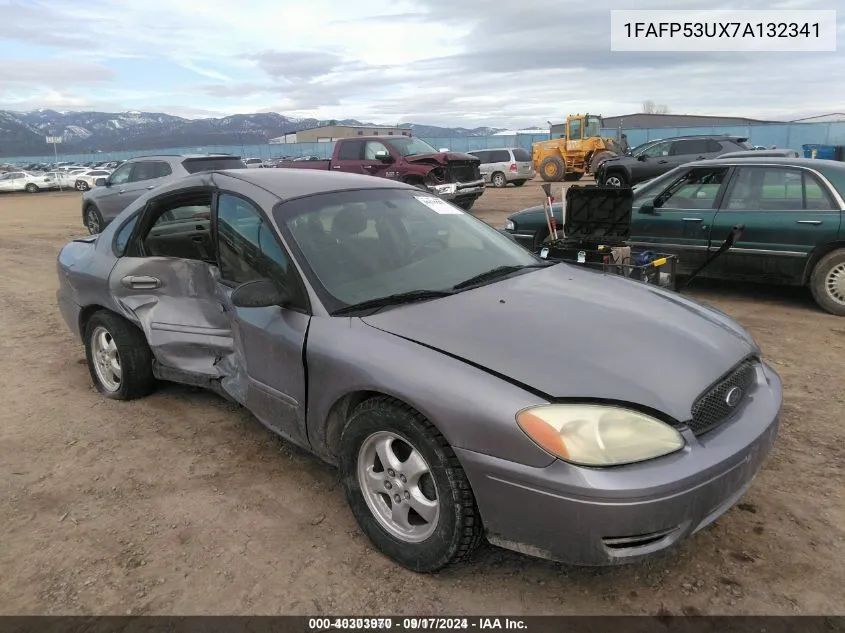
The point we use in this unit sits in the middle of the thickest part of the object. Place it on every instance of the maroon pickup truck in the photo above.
(450, 175)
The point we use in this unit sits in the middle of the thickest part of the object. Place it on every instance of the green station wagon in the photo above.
(791, 208)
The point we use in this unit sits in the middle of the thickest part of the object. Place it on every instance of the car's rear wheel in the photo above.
(81, 185)
(406, 488)
(93, 219)
(119, 359)
(498, 179)
(827, 282)
(31, 188)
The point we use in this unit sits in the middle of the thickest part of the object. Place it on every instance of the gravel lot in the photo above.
(179, 503)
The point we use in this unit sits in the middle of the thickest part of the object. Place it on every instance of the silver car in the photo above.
(506, 165)
(402, 339)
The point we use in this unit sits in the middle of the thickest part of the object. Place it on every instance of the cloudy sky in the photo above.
(505, 63)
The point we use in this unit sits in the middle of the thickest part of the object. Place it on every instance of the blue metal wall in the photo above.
(786, 135)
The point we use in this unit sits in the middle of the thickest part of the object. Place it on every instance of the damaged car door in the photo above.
(166, 282)
(269, 341)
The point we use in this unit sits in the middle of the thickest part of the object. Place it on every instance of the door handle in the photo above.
(661, 162)
(151, 187)
(198, 239)
(691, 219)
(122, 191)
(335, 166)
(142, 282)
(816, 222)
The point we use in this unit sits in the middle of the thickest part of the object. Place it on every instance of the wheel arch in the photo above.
(88, 311)
(816, 256)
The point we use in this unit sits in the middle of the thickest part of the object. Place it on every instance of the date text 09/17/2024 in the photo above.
(415, 623)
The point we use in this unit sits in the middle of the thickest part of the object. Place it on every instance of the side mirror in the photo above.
(101, 182)
(384, 156)
(259, 293)
(642, 158)
(648, 208)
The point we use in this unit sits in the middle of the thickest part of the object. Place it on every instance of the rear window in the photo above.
(521, 155)
(194, 165)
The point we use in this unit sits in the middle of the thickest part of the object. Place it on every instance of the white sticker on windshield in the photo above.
(437, 205)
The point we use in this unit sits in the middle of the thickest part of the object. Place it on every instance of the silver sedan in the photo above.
(464, 387)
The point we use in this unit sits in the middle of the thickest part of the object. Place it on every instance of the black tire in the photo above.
(827, 282)
(519, 183)
(31, 188)
(498, 180)
(573, 176)
(552, 169)
(458, 530)
(93, 220)
(133, 353)
(81, 185)
(615, 179)
(466, 205)
(598, 158)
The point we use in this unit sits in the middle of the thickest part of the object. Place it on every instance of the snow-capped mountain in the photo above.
(22, 133)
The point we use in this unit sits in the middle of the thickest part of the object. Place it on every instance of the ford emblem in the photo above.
(733, 396)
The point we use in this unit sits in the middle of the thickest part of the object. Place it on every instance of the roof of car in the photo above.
(813, 163)
(289, 183)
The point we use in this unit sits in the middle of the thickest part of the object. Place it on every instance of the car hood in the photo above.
(571, 332)
(557, 208)
(442, 158)
(619, 159)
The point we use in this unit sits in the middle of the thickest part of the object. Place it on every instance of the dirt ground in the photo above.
(181, 504)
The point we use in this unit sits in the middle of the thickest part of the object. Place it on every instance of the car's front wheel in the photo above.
(406, 488)
(81, 185)
(615, 179)
(119, 359)
(93, 220)
(827, 282)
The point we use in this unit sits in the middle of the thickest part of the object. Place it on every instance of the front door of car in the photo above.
(372, 165)
(652, 162)
(677, 219)
(270, 341)
(787, 213)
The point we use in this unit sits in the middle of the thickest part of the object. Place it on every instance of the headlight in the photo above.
(598, 435)
(509, 225)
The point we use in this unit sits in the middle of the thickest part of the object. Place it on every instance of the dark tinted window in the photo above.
(194, 165)
(500, 156)
(481, 155)
(161, 169)
(351, 150)
(143, 170)
(521, 155)
(689, 146)
(714, 146)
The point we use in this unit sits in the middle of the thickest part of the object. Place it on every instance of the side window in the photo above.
(351, 150)
(688, 147)
(500, 156)
(181, 228)
(776, 189)
(121, 239)
(371, 148)
(659, 149)
(144, 170)
(121, 175)
(521, 155)
(161, 169)
(696, 189)
(574, 131)
(246, 244)
(713, 146)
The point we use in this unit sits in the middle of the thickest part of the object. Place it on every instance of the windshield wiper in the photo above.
(391, 300)
(499, 271)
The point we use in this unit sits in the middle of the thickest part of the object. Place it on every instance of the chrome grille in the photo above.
(464, 172)
(712, 408)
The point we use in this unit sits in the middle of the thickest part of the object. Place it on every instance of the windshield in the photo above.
(410, 146)
(592, 126)
(361, 245)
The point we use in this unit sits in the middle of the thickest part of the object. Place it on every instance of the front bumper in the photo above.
(459, 190)
(607, 516)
